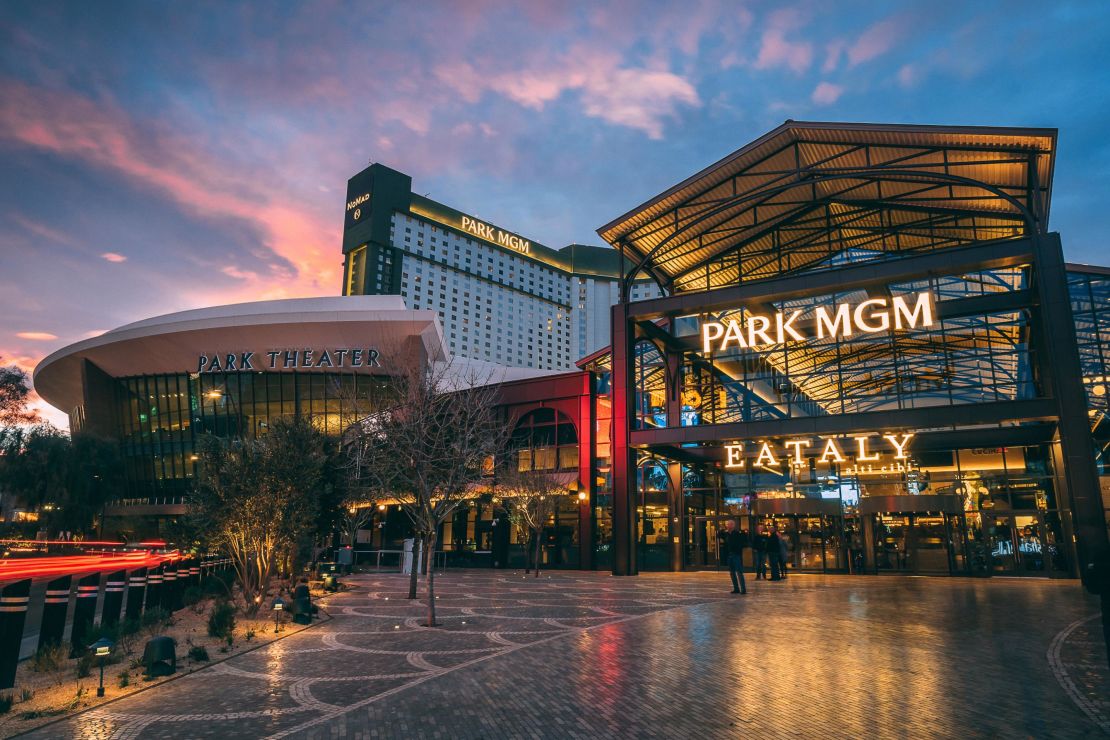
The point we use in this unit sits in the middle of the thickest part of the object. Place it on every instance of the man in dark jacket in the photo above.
(774, 554)
(759, 551)
(734, 542)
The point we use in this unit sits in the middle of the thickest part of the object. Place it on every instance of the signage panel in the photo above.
(289, 359)
(842, 320)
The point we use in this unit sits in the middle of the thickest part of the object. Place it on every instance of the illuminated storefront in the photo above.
(867, 342)
(158, 384)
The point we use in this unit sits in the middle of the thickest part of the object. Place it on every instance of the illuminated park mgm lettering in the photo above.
(288, 359)
(861, 453)
(842, 320)
(495, 235)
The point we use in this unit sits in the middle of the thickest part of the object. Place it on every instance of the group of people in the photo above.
(769, 550)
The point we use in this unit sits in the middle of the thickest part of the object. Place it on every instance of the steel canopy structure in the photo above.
(816, 215)
(809, 196)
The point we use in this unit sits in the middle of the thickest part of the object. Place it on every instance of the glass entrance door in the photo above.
(892, 532)
(704, 550)
(1016, 543)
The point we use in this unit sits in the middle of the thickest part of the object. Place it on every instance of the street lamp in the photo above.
(101, 648)
(278, 607)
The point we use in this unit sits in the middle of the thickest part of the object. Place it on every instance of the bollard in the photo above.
(169, 586)
(153, 588)
(84, 610)
(54, 610)
(136, 586)
(13, 614)
(113, 598)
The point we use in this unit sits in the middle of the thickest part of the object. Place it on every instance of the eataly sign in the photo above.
(797, 451)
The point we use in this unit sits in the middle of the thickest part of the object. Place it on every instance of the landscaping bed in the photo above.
(51, 685)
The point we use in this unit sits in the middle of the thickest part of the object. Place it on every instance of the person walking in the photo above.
(784, 555)
(774, 554)
(759, 551)
(734, 542)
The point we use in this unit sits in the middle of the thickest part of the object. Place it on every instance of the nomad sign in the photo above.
(841, 320)
(288, 359)
(495, 235)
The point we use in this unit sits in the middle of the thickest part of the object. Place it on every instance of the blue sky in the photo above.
(158, 156)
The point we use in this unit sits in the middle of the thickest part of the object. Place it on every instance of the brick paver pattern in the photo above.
(587, 655)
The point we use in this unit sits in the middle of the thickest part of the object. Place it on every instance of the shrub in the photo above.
(192, 596)
(6, 703)
(26, 695)
(84, 665)
(198, 653)
(249, 635)
(218, 585)
(155, 620)
(221, 620)
(125, 679)
(129, 627)
(49, 658)
(110, 631)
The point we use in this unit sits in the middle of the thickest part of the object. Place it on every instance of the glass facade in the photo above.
(160, 417)
(1090, 305)
(919, 499)
(959, 359)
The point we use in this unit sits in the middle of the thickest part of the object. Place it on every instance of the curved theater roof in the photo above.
(173, 342)
(808, 195)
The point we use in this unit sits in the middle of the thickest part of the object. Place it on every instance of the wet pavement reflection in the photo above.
(666, 655)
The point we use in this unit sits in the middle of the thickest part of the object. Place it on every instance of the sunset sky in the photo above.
(159, 156)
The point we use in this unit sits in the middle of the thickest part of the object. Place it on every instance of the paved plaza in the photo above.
(587, 655)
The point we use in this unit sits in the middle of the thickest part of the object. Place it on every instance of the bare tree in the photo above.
(355, 514)
(427, 447)
(531, 497)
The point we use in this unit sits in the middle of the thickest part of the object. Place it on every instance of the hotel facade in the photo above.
(500, 297)
(864, 336)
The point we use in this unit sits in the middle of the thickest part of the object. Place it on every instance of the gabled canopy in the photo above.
(814, 195)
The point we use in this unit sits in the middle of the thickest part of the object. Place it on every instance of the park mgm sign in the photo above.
(864, 453)
(289, 359)
(843, 320)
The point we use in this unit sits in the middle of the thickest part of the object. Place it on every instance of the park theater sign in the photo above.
(841, 321)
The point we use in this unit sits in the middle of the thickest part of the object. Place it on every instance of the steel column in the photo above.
(84, 611)
(13, 615)
(136, 585)
(1061, 375)
(113, 598)
(54, 609)
(623, 456)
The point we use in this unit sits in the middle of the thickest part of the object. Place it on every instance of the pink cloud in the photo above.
(833, 51)
(635, 97)
(875, 41)
(113, 257)
(185, 170)
(826, 93)
(908, 75)
(37, 336)
(775, 50)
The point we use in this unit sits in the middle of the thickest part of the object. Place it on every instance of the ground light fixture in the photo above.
(102, 648)
(278, 607)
